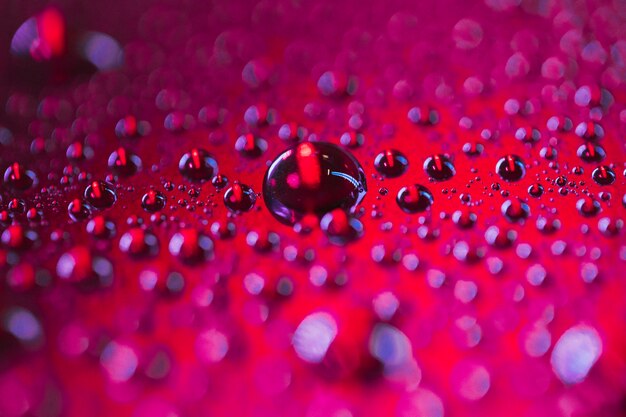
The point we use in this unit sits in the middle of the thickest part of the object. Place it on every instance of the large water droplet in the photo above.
(312, 178)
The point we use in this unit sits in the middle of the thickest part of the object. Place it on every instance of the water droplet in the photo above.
(423, 116)
(239, 198)
(588, 207)
(391, 163)
(153, 201)
(312, 178)
(101, 227)
(123, 162)
(78, 210)
(219, 181)
(340, 228)
(19, 178)
(262, 241)
(591, 152)
(138, 242)
(535, 190)
(465, 218)
(511, 168)
(191, 246)
(590, 131)
(515, 209)
(250, 145)
(352, 139)
(16, 237)
(603, 175)
(575, 353)
(439, 167)
(100, 194)
(414, 198)
(197, 165)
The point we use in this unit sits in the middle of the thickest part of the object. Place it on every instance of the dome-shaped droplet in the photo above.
(138, 242)
(100, 227)
(219, 181)
(16, 237)
(535, 190)
(78, 210)
(19, 178)
(191, 246)
(511, 168)
(153, 201)
(251, 146)
(423, 116)
(590, 130)
(414, 198)
(100, 194)
(588, 206)
(465, 218)
(239, 198)
(312, 178)
(439, 167)
(391, 163)
(603, 175)
(197, 165)
(515, 209)
(340, 228)
(123, 162)
(591, 152)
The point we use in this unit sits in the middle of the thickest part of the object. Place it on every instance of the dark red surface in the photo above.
(130, 289)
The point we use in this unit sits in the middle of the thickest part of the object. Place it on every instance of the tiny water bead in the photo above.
(439, 167)
(391, 163)
(603, 175)
(239, 198)
(197, 165)
(153, 201)
(312, 178)
(511, 168)
(100, 194)
(414, 198)
(124, 163)
(19, 178)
